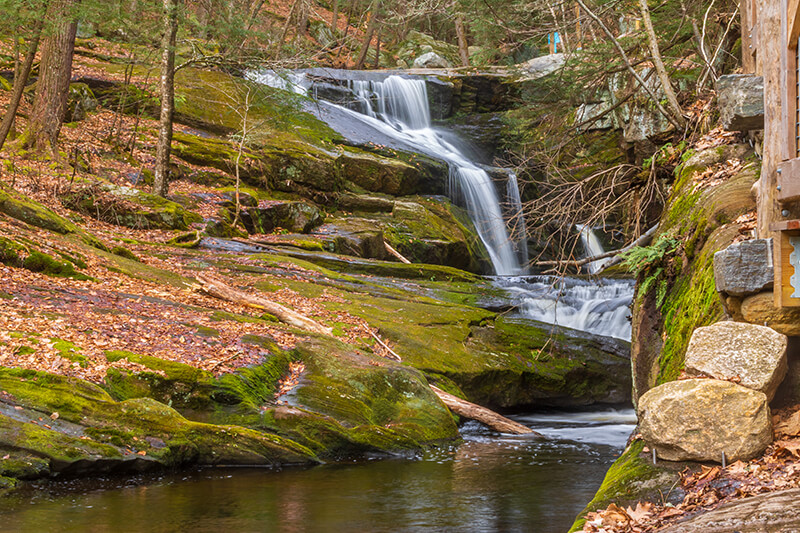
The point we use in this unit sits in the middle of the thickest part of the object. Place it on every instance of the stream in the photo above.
(486, 483)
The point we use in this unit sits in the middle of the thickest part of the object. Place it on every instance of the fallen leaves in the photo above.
(710, 486)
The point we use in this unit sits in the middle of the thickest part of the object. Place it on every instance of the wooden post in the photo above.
(771, 44)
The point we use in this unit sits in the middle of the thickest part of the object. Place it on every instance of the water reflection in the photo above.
(487, 483)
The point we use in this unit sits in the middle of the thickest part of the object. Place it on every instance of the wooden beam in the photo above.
(794, 23)
(770, 52)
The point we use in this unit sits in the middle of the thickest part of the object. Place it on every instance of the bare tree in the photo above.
(167, 92)
(20, 79)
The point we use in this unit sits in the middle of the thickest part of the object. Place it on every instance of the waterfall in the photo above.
(519, 229)
(593, 247)
(398, 107)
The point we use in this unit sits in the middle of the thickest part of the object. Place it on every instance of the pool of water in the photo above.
(489, 482)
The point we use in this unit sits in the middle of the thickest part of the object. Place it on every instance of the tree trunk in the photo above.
(663, 76)
(373, 23)
(335, 17)
(288, 21)
(463, 46)
(20, 79)
(167, 90)
(52, 88)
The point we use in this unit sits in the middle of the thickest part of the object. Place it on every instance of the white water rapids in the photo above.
(397, 107)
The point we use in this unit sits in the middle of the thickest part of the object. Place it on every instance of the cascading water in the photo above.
(593, 247)
(600, 307)
(398, 107)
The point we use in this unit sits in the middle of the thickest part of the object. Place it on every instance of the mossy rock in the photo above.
(354, 236)
(219, 154)
(40, 262)
(350, 402)
(434, 231)
(129, 207)
(661, 333)
(633, 477)
(9, 252)
(92, 433)
(295, 217)
(379, 174)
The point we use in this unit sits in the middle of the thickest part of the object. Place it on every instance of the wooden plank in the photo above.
(788, 189)
(794, 23)
(785, 225)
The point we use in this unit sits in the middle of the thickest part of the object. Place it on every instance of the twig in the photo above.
(396, 357)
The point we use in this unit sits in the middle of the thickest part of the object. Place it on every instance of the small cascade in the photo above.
(593, 247)
(600, 307)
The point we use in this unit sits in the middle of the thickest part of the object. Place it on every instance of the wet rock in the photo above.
(699, 419)
(358, 237)
(296, 217)
(741, 101)
(775, 512)
(753, 355)
(744, 268)
(363, 203)
(760, 309)
(431, 60)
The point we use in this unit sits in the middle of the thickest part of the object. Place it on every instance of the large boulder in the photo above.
(700, 419)
(431, 60)
(744, 268)
(741, 102)
(760, 309)
(753, 355)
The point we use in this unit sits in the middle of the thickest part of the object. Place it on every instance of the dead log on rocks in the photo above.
(220, 290)
(483, 415)
(641, 241)
(395, 253)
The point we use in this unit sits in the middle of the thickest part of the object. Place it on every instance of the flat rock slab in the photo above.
(776, 512)
(744, 268)
(699, 419)
(753, 356)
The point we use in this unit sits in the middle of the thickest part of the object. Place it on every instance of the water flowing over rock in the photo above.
(753, 355)
(699, 419)
(600, 308)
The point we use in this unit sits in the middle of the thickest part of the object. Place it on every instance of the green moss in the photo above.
(630, 478)
(9, 252)
(124, 252)
(69, 351)
(39, 262)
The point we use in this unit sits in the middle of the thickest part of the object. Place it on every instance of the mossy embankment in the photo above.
(675, 295)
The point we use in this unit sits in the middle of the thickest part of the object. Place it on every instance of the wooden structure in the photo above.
(770, 32)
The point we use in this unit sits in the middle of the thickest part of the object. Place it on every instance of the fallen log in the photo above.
(643, 239)
(395, 253)
(483, 415)
(220, 290)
